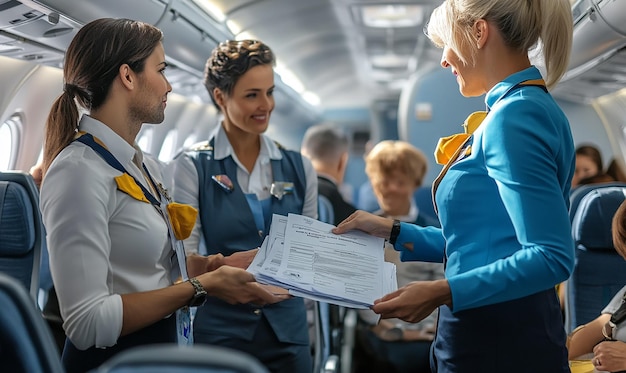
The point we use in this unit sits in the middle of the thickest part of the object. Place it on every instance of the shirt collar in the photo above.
(410, 217)
(327, 177)
(121, 150)
(222, 147)
(502, 88)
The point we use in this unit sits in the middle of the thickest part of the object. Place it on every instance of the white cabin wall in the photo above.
(587, 127)
(33, 89)
(611, 110)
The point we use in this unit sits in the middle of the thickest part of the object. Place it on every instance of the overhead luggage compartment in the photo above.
(598, 61)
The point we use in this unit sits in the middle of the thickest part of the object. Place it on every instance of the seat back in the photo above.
(599, 271)
(172, 358)
(325, 211)
(26, 344)
(21, 229)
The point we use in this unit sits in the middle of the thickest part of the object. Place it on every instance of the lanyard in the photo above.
(177, 245)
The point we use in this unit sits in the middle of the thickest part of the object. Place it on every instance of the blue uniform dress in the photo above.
(505, 236)
(232, 221)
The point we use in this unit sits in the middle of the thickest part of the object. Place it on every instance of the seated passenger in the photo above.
(588, 163)
(396, 170)
(616, 171)
(606, 338)
(327, 148)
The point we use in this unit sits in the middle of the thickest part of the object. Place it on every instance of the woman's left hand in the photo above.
(415, 301)
(610, 356)
(199, 264)
(240, 259)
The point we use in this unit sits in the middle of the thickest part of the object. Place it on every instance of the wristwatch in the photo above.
(200, 296)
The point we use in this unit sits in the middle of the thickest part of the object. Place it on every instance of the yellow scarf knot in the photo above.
(183, 218)
(449, 146)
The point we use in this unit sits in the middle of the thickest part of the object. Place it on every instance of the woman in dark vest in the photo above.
(238, 179)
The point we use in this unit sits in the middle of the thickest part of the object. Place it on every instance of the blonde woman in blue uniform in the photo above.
(109, 236)
(502, 196)
(237, 180)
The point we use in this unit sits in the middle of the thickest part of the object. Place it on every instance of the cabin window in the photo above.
(9, 142)
(192, 139)
(167, 149)
(145, 139)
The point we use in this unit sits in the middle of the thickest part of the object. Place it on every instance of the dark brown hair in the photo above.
(92, 61)
(230, 60)
(592, 153)
(618, 230)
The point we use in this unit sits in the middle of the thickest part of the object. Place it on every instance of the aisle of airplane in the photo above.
(365, 66)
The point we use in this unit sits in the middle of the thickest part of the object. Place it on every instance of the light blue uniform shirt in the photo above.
(504, 208)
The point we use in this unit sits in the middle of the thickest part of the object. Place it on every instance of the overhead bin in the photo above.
(596, 66)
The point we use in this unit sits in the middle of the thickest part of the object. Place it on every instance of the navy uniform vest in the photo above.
(228, 226)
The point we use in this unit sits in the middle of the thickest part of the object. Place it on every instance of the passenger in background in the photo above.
(327, 148)
(102, 205)
(366, 200)
(502, 196)
(238, 179)
(616, 171)
(396, 169)
(588, 163)
(606, 341)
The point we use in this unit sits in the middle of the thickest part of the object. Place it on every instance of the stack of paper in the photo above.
(302, 255)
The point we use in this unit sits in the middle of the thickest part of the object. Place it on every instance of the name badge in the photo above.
(224, 182)
(280, 188)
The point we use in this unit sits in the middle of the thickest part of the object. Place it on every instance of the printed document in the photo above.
(302, 255)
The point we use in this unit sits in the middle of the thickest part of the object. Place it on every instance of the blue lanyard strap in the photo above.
(89, 140)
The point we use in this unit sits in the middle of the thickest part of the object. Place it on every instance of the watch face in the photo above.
(198, 300)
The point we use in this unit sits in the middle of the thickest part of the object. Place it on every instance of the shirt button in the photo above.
(260, 233)
(257, 312)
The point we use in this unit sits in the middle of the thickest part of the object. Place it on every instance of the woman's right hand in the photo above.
(369, 223)
(610, 356)
(235, 285)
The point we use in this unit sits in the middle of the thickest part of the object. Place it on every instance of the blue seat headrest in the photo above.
(17, 229)
(591, 226)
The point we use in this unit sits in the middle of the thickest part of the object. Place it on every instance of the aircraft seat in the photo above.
(21, 229)
(325, 211)
(26, 344)
(599, 272)
(167, 358)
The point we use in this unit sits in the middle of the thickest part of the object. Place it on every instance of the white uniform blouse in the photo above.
(185, 185)
(102, 242)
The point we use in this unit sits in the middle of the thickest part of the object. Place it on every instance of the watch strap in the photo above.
(395, 232)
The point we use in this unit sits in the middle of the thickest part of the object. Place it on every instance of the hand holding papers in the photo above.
(302, 255)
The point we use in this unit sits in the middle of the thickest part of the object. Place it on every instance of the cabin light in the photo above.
(211, 9)
(246, 36)
(397, 85)
(389, 16)
(288, 77)
(311, 98)
(8, 48)
(233, 27)
(390, 61)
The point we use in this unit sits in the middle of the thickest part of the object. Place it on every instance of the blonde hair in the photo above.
(523, 24)
(389, 156)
